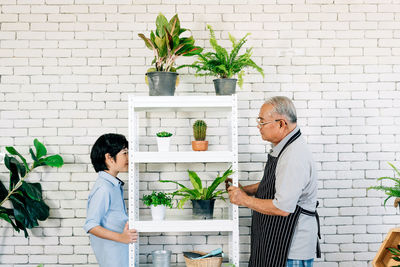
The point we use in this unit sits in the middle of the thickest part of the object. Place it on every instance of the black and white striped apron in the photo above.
(271, 236)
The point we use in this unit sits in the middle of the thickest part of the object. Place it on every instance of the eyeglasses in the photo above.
(259, 123)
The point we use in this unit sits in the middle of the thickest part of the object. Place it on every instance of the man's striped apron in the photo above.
(271, 236)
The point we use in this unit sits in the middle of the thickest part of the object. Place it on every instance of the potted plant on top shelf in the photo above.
(225, 65)
(203, 198)
(390, 191)
(167, 46)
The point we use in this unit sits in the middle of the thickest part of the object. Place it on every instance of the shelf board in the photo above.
(184, 226)
(184, 156)
(158, 103)
(171, 265)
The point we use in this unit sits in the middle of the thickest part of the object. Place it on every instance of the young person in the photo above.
(107, 219)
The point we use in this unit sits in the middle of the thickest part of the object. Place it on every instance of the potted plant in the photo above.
(158, 202)
(391, 191)
(203, 198)
(167, 46)
(199, 133)
(225, 65)
(163, 140)
(21, 203)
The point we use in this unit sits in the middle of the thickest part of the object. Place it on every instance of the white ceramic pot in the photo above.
(158, 212)
(163, 143)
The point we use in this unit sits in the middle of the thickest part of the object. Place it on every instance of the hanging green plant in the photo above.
(26, 198)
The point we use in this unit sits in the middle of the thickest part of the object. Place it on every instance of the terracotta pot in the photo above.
(199, 145)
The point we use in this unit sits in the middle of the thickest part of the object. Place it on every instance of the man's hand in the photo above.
(128, 235)
(229, 182)
(237, 196)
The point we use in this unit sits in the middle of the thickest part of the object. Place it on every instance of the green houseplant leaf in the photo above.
(13, 151)
(40, 149)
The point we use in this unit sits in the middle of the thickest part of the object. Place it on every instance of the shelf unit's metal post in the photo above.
(133, 180)
(234, 235)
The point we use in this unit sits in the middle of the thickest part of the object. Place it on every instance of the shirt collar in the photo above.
(275, 150)
(108, 177)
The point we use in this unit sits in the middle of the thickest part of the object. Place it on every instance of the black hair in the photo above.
(107, 143)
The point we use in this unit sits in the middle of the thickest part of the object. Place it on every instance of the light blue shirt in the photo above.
(106, 207)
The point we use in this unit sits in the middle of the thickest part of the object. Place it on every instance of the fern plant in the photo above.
(391, 191)
(222, 64)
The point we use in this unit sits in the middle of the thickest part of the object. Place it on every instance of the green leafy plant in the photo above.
(157, 198)
(167, 44)
(164, 134)
(199, 192)
(199, 130)
(223, 64)
(396, 254)
(391, 191)
(26, 198)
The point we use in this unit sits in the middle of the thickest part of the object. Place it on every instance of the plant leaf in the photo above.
(397, 171)
(394, 251)
(217, 182)
(40, 149)
(3, 191)
(12, 164)
(148, 42)
(38, 210)
(195, 180)
(13, 151)
(182, 202)
(21, 214)
(32, 190)
(161, 22)
(53, 161)
(33, 156)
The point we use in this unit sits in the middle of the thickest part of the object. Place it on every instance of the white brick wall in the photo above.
(67, 66)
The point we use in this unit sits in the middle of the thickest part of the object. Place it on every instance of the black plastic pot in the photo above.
(203, 208)
(162, 83)
(225, 86)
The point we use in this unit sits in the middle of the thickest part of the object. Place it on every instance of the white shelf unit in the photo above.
(181, 103)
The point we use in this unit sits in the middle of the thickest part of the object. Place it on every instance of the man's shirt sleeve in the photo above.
(291, 177)
(98, 205)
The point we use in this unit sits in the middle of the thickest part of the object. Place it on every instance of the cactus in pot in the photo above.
(199, 133)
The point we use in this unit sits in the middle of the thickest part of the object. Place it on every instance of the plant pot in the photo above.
(199, 145)
(162, 83)
(158, 212)
(225, 86)
(161, 258)
(163, 143)
(203, 208)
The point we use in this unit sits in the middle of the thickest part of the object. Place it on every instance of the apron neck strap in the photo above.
(291, 140)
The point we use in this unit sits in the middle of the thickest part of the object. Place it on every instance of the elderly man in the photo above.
(284, 222)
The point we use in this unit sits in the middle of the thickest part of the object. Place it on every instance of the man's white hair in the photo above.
(283, 106)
